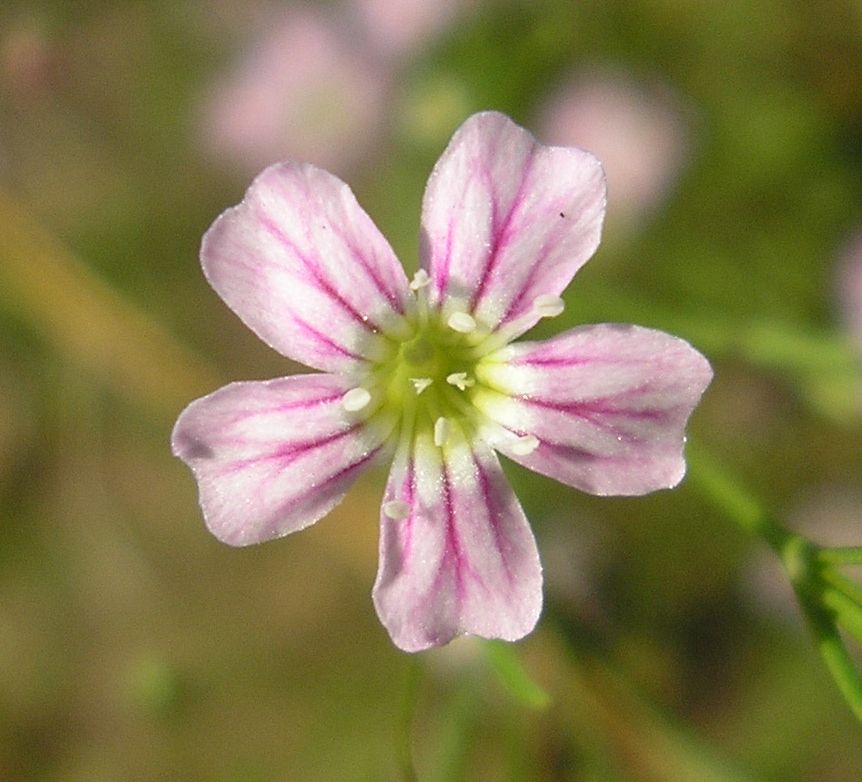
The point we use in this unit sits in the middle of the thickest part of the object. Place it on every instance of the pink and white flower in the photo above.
(306, 90)
(637, 132)
(423, 372)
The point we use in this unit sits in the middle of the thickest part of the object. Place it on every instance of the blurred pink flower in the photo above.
(637, 133)
(424, 372)
(850, 287)
(28, 65)
(398, 27)
(303, 92)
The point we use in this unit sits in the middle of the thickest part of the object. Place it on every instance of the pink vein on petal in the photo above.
(453, 542)
(441, 268)
(358, 256)
(379, 284)
(450, 556)
(408, 488)
(282, 407)
(319, 336)
(287, 452)
(527, 285)
(313, 269)
(343, 473)
(587, 407)
(501, 234)
(490, 499)
(536, 360)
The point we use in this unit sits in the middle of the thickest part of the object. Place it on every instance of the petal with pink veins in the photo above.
(307, 270)
(273, 457)
(607, 404)
(459, 556)
(506, 220)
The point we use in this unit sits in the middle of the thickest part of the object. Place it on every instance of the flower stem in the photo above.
(844, 585)
(833, 652)
(845, 610)
(850, 555)
(740, 506)
(824, 595)
(404, 738)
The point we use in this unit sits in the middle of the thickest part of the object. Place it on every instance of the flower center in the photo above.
(428, 379)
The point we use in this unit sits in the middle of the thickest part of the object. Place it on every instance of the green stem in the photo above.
(798, 556)
(734, 501)
(834, 653)
(844, 585)
(850, 555)
(404, 738)
(847, 612)
(505, 661)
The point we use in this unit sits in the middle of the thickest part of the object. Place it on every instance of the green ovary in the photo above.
(430, 376)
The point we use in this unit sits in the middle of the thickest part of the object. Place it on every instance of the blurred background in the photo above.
(133, 646)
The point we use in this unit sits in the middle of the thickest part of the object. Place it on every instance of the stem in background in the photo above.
(800, 558)
(84, 319)
(833, 652)
(735, 502)
(847, 612)
(851, 555)
(404, 738)
(774, 345)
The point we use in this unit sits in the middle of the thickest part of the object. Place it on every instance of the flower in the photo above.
(636, 131)
(850, 287)
(398, 28)
(305, 90)
(423, 372)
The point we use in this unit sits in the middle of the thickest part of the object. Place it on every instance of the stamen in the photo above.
(548, 306)
(397, 510)
(461, 322)
(420, 280)
(525, 445)
(355, 399)
(441, 432)
(420, 384)
(545, 306)
(460, 380)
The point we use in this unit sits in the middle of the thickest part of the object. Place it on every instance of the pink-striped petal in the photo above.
(608, 405)
(306, 269)
(273, 457)
(506, 219)
(458, 556)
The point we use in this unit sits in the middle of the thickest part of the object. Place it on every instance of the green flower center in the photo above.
(429, 375)
(429, 381)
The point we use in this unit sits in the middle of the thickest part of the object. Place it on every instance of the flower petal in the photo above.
(608, 405)
(273, 457)
(506, 219)
(463, 560)
(306, 269)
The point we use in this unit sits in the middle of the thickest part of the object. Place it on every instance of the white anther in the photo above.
(461, 322)
(420, 280)
(548, 306)
(441, 432)
(524, 446)
(355, 399)
(460, 380)
(397, 510)
(420, 384)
